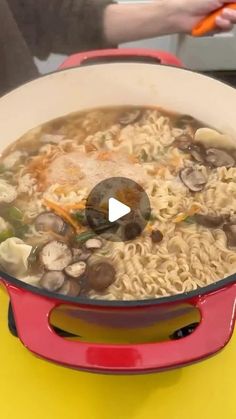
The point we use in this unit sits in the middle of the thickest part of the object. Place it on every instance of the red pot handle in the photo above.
(32, 313)
(122, 54)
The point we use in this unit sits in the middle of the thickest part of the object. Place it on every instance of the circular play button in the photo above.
(118, 209)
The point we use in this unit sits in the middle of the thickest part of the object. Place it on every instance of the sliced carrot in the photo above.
(62, 213)
(80, 205)
(194, 209)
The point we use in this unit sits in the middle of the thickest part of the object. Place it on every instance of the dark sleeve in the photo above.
(60, 26)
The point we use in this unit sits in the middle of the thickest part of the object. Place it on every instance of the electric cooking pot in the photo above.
(111, 78)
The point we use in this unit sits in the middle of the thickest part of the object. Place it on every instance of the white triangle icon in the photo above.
(117, 210)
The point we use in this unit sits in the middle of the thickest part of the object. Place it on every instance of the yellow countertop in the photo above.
(31, 388)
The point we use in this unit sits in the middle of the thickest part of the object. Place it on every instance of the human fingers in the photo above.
(224, 24)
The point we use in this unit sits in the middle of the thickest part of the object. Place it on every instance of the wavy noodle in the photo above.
(189, 256)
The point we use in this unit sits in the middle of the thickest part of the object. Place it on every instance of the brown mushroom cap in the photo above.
(219, 158)
(80, 254)
(197, 152)
(70, 288)
(130, 117)
(183, 142)
(156, 236)
(230, 231)
(48, 221)
(100, 276)
(55, 256)
(193, 179)
(52, 281)
(211, 221)
(76, 270)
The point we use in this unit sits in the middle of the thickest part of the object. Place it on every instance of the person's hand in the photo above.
(187, 13)
(131, 22)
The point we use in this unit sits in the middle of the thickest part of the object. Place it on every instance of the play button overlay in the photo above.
(118, 209)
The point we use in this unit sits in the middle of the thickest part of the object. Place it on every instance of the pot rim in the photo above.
(84, 301)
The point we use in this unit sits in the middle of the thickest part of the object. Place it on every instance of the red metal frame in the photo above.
(161, 57)
(32, 310)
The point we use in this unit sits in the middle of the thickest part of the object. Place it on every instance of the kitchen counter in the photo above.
(33, 388)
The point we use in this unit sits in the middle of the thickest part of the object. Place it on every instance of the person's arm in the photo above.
(68, 26)
(131, 22)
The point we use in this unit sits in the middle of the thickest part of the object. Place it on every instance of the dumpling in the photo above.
(14, 254)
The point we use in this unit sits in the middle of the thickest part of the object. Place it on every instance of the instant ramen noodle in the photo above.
(188, 171)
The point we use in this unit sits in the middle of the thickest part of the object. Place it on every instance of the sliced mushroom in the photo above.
(157, 236)
(76, 270)
(70, 288)
(101, 275)
(8, 193)
(183, 142)
(80, 254)
(52, 281)
(55, 256)
(130, 117)
(211, 138)
(230, 231)
(93, 244)
(198, 153)
(193, 179)
(219, 158)
(186, 122)
(211, 221)
(48, 221)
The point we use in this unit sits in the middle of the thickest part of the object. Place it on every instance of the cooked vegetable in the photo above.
(86, 235)
(193, 179)
(55, 256)
(70, 288)
(14, 214)
(76, 270)
(6, 234)
(48, 221)
(62, 213)
(211, 221)
(80, 254)
(93, 244)
(230, 231)
(21, 230)
(130, 117)
(52, 281)
(183, 142)
(219, 158)
(80, 217)
(156, 236)
(198, 153)
(100, 276)
(8, 193)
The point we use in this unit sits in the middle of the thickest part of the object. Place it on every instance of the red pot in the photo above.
(120, 83)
